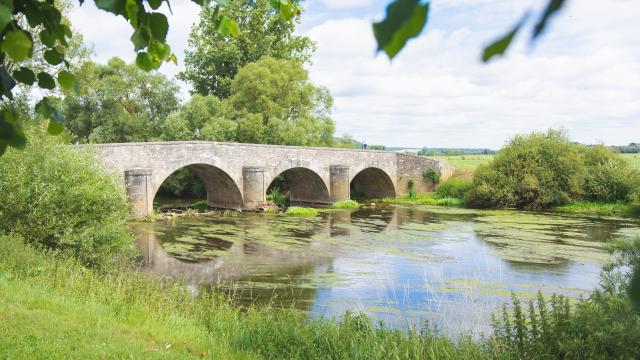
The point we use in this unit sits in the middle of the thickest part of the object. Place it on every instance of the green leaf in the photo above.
(66, 80)
(154, 4)
(131, 8)
(5, 16)
(552, 8)
(159, 26)
(140, 38)
(227, 27)
(501, 45)
(25, 76)
(17, 44)
(45, 81)
(145, 61)
(634, 289)
(55, 128)
(53, 57)
(47, 38)
(114, 6)
(6, 82)
(404, 20)
(11, 133)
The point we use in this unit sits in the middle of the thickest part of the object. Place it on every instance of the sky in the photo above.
(583, 75)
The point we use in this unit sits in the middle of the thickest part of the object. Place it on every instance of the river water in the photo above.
(403, 265)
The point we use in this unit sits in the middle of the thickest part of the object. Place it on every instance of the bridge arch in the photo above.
(222, 190)
(305, 185)
(372, 182)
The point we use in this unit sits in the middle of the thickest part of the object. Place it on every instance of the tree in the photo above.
(204, 118)
(213, 59)
(275, 103)
(118, 102)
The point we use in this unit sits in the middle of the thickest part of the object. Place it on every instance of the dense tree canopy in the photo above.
(213, 59)
(118, 102)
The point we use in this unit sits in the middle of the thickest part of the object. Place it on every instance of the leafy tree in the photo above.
(118, 102)
(275, 103)
(204, 118)
(213, 59)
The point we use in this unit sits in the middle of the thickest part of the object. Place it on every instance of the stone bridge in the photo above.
(236, 176)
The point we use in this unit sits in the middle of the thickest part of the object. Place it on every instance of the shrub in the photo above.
(433, 175)
(608, 177)
(453, 188)
(346, 204)
(58, 197)
(277, 197)
(301, 211)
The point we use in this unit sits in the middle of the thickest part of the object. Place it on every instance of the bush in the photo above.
(542, 170)
(453, 188)
(200, 205)
(57, 197)
(346, 204)
(301, 211)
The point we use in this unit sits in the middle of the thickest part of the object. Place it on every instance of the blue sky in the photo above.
(583, 75)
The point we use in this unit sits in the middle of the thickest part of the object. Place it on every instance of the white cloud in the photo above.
(583, 76)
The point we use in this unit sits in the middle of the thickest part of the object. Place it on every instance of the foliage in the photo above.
(118, 102)
(425, 199)
(277, 197)
(204, 118)
(301, 211)
(404, 20)
(433, 175)
(542, 170)
(276, 104)
(453, 188)
(183, 183)
(346, 204)
(213, 59)
(59, 197)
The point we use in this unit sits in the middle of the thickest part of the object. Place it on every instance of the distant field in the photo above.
(465, 162)
(471, 162)
(634, 159)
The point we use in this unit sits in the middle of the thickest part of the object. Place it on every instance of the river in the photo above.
(404, 265)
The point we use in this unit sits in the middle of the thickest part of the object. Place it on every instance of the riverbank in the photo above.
(53, 307)
(591, 208)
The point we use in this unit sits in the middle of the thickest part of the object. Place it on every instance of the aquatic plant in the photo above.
(200, 205)
(301, 211)
(278, 198)
(346, 204)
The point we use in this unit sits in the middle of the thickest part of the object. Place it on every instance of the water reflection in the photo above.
(402, 265)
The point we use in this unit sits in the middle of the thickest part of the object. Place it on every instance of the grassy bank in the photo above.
(600, 208)
(52, 307)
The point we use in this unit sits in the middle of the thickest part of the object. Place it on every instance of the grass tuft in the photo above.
(301, 211)
(346, 204)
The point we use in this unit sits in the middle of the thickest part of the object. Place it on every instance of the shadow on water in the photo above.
(400, 264)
